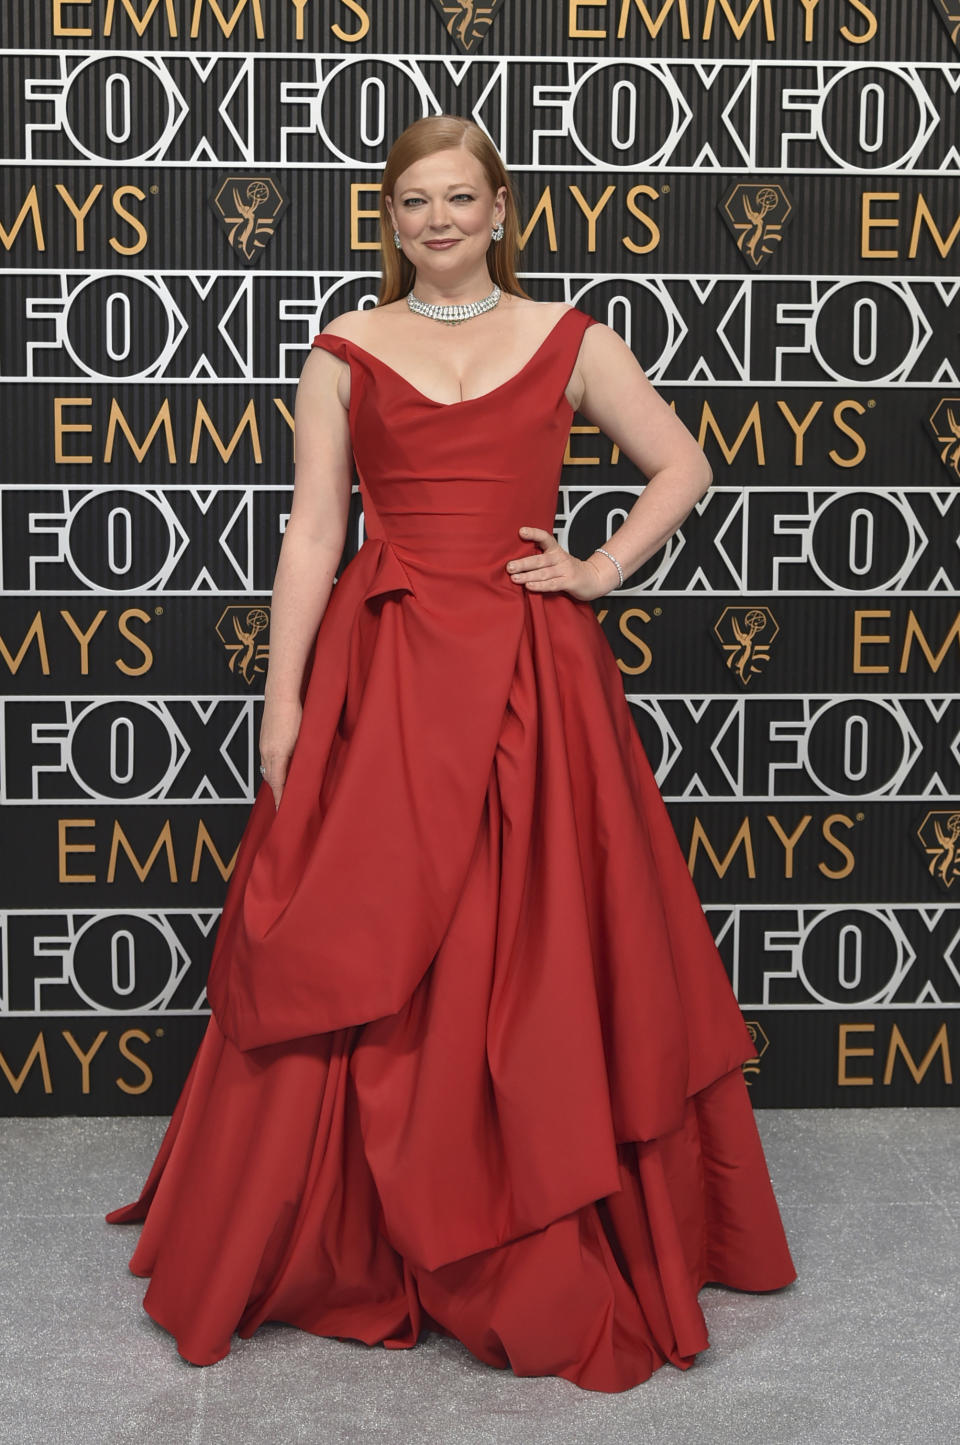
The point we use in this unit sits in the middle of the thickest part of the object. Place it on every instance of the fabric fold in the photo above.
(474, 1061)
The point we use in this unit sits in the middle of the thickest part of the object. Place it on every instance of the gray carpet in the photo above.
(861, 1349)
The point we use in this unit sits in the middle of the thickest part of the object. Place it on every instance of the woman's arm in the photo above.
(617, 397)
(312, 546)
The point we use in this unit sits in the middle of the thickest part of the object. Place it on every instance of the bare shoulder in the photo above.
(344, 325)
(607, 375)
(538, 312)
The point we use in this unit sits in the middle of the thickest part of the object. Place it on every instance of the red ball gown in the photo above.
(473, 1063)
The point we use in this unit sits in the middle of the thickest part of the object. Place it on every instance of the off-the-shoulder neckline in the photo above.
(464, 401)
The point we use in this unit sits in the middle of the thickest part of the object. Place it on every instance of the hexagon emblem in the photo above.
(939, 837)
(745, 635)
(249, 208)
(756, 213)
(244, 632)
(944, 423)
(949, 11)
(467, 21)
(761, 1043)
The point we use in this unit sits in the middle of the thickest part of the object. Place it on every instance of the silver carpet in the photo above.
(862, 1349)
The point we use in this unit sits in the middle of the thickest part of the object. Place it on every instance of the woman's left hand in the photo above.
(556, 570)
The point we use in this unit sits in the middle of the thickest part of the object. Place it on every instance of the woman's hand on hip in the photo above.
(556, 570)
(279, 730)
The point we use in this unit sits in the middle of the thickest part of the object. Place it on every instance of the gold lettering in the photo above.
(287, 415)
(59, 28)
(120, 840)
(743, 836)
(358, 214)
(591, 215)
(569, 460)
(544, 206)
(162, 420)
(141, 1064)
(123, 627)
(35, 634)
(364, 18)
(64, 846)
(836, 820)
(248, 419)
(140, 23)
(39, 1051)
(227, 26)
(650, 224)
(32, 206)
(809, 9)
(84, 1057)
(863, 639)
(739, 26)
(840, 423)
(83, 637)
(646, 656)
(798, 428)
(79, 213)
(869, 222)
(206, 844)
(845, 1052)
(61, 427)
(708, 422)
(653, 25)
(789, 843)
(299, 6)
(132, 221)
(922, 214)
(939, 1046)
(871, 20)
(914, 632)
(573, 20)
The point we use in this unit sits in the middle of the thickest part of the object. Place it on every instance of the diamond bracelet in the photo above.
(614, 561)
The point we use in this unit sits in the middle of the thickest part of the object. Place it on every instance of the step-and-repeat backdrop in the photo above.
(763, 198)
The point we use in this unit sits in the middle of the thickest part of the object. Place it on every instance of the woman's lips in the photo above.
(440, 245)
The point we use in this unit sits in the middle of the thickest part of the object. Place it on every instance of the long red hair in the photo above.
(423, 138)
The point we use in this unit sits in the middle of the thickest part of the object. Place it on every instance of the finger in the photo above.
(528, 564)
(545, 584)
(548, 564)
(538, 535)
(554, 557)
(544, 574)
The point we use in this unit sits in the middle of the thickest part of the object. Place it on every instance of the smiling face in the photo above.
(445, 197)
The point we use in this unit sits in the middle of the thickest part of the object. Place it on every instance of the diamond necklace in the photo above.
(452, 315)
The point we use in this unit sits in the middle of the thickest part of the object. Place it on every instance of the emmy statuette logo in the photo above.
(939, 837)
(945, 425)
(745, 635)
(949, 11)
(249, 208)
(756, 214)
(244, 632)
(751, 1067)
(467, 21)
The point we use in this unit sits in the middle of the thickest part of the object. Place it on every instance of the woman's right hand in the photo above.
(279, 729)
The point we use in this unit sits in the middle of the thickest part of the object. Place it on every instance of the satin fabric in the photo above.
(473, 1060)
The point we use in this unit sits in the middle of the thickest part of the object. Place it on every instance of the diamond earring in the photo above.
(396, 239)
(497, 234)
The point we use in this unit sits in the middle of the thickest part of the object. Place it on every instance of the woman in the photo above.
(474, 1062)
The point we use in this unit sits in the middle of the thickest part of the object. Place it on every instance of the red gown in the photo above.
(473, 1063)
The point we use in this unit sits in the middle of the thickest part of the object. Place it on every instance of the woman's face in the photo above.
(445, 197)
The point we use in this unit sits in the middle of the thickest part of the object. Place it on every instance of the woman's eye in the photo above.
(461, 196)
